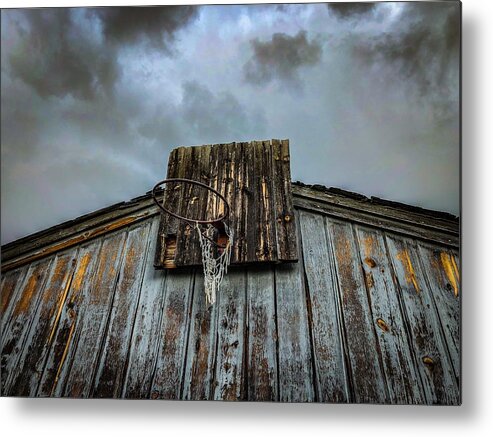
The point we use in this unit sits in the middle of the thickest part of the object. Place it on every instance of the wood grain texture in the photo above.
(255, 180)
(199, 368)
(403, 382)
(30, 364)
(324, 318)
(170, 365)
(287, 332)
(17, 326)
(230, 357)
(441, 273)
(262, 336)
(145, 337)
(296, 379)
(435, 368)
(113, 363)
(62, 338)
(98, 287)
(367, 376)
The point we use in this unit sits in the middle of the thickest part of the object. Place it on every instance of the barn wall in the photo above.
(366, 315)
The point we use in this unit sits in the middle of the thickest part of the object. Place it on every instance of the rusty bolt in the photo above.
(154, 395)
(370, 261)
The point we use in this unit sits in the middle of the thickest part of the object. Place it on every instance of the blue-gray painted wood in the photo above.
(366, 315)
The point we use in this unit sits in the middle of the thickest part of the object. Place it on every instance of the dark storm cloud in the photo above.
(350, 10)
(57, 53)
(422, 49)
(54, 57)
(156, 25)
(281, 57)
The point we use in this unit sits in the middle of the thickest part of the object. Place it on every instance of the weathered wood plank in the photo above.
(262, 336)
(231, 328)
(62, 336)
(364, 357)
(324, 318)
(247, 175)
(395, 213)
(24, 378)
(17, 326)
(168, 375)
(296, 379)
(12, 283)
(199, 366)
(283, 202)
(367, 218)
(442, 277)
(434, 366)
(403, 382)
(114, 350)
(96, 285)
(146, 334)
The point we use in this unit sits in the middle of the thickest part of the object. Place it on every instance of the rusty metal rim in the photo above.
(214, 222)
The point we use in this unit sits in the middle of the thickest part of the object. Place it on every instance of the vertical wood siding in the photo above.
(366, 315)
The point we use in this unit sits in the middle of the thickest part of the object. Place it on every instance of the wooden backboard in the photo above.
(254, 178)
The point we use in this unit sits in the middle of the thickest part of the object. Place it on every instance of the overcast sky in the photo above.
(93, 100)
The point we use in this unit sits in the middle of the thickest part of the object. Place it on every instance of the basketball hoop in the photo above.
(215, 266)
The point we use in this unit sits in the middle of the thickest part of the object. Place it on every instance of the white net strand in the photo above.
(214, 268)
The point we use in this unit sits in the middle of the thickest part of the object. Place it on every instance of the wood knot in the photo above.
(382, 325)
(154, 395)
(287, 218)
(428, 361)
(370, 262)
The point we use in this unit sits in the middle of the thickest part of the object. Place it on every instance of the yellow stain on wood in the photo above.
(403, 257)
(28, 292)
(76, 240)
(79, 276)
(450, 267)
(368, 243)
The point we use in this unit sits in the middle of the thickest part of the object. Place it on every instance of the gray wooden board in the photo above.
(262, 336)
(244, 174)
(63, 336)
(145, 336)
(442, 277)
(18, 325)
(328, 355)
(201, 346)
(169, 371)
(367, 377)
(76, 378)
(112, 365)
(294, 352)
(33, 354)
(230, 370)
(402, 377)
(434, 365)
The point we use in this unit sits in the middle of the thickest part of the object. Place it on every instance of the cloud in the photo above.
(53, 56)
(58, 52)
(156, 25)
(281, 58)
(351, 10)
(204, 117)
(422, 49)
